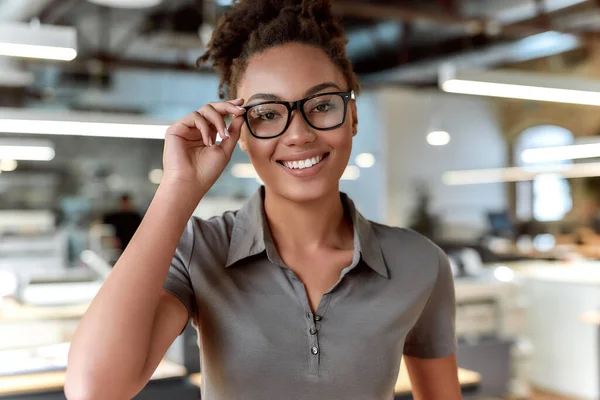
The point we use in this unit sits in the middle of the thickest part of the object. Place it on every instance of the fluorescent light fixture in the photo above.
(8, 165)
(35, 51)
(365, 160)
(45, 122)
(561, 153)
(99, 129)
(517, 174)
(44, 41)
(438, 138)
(127, 3)
(29, 153)
(521, 85)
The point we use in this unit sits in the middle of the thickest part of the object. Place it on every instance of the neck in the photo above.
(308, 225)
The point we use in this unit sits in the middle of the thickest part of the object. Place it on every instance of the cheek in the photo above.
(259, 151)
(342, 140)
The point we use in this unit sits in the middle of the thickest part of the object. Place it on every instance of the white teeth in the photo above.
(309, 162)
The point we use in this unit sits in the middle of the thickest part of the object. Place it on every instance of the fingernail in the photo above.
(226, 132)
(241, 108)
(238, 99)
(210, 143)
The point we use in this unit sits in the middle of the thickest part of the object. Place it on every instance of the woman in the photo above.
(296, 295)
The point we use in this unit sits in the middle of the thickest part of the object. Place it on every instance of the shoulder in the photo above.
(214, 231)
(408, 252)
(207, 241)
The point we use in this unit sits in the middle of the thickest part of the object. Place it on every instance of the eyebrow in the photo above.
(313, 90)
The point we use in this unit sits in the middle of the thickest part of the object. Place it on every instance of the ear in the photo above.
(354, 117)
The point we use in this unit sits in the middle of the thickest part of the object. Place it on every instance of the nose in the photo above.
(298, 132)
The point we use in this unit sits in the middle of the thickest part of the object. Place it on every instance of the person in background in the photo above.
(295, 295)
(125, 221)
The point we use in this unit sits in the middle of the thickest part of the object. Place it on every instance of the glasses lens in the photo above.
(325, 111)
(267, 120)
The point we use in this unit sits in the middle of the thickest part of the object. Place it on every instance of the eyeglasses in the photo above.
(323, 111)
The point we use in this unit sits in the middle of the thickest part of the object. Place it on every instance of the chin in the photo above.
(303, 191)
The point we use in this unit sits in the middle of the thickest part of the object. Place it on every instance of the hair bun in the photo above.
(255, 25)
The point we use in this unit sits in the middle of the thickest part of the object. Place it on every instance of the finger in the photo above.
(237, 102)
(185, 128)
(229, 107)
(235, 128)
(215, 118)
(196, 122)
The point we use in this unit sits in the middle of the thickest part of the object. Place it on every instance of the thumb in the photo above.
(234, 129)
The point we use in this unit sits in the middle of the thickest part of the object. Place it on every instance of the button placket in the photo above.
(314, 351)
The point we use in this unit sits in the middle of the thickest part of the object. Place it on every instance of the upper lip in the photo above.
(302, 156)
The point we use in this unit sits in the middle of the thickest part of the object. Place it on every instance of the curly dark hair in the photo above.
(253, 26)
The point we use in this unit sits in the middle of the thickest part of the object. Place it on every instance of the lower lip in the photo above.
(306, 172)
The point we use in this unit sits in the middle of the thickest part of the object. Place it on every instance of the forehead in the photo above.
(288, 71)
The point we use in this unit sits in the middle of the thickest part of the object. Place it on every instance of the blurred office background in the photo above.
(479, 126)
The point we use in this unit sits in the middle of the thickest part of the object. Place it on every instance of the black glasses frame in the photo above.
(299, 105)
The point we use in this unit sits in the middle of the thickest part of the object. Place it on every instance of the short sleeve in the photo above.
(178, 281)
(434, 334)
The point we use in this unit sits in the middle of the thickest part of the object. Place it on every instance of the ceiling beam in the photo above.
(472, 26)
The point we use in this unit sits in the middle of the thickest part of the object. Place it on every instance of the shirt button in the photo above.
(313, 331)
(315, 350)
(308, 315)
(318, 318)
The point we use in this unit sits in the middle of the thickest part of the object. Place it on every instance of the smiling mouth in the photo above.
(304, 164)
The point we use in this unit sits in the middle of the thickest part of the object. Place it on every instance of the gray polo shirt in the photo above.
(258, 337)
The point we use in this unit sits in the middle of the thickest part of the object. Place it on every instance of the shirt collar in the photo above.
(251, 234)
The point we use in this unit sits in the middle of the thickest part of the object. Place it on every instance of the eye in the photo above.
(322, 107)
(265, 114)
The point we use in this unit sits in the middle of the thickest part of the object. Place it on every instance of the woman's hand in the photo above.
(191, 156)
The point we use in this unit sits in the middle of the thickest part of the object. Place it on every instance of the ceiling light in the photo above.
(99, 129)
(516, 174)
(438, 138)
(8, 165)
(504, 274)
(46, 122)
(155, 176)
(351, 173)
(521, 85)
(561, 153)
(28, 153)
(115, 182)
(44, 41)
(127, 3)
(365, 160)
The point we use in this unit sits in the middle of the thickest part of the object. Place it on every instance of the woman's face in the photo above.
(288, 73)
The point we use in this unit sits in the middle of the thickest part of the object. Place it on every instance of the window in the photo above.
(548, 197)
